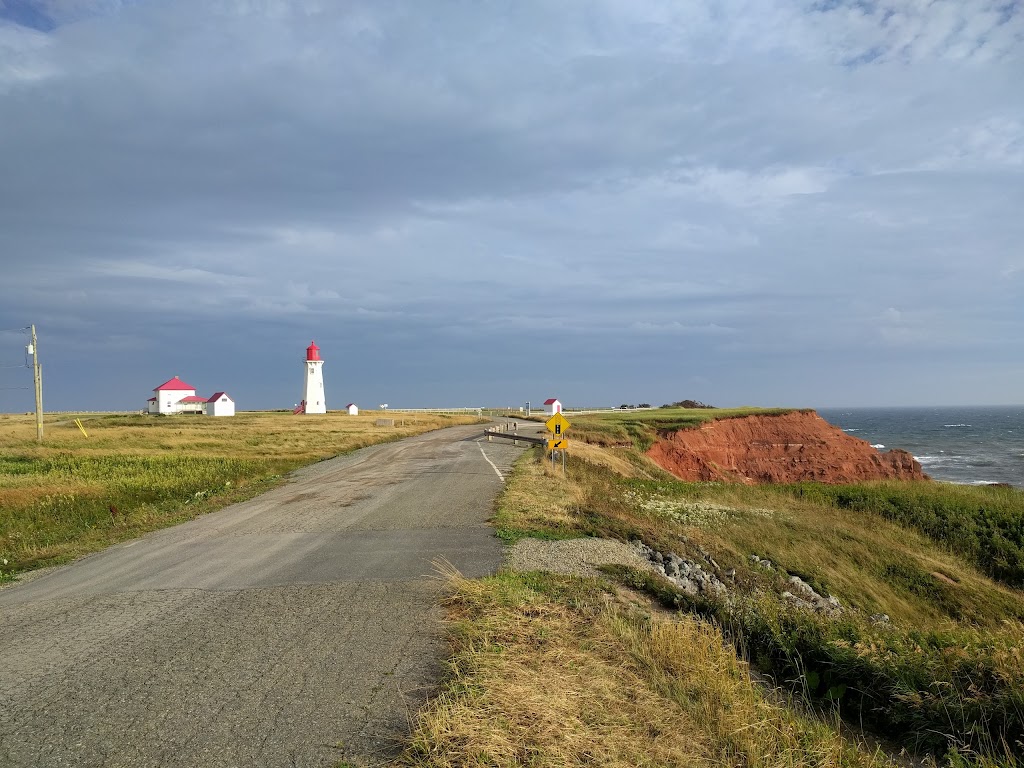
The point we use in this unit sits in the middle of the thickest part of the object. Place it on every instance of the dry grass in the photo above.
(247, 435)
(869, 563)
(73, 493)
(548, 672)
(943, 674)
(621, 462)
(537, 501)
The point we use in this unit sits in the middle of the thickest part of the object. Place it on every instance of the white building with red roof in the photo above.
(552, 406)
(169, 395)
(175, 396)
(220, 404)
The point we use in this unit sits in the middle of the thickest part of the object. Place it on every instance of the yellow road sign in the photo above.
(558, 445)
(557, 424)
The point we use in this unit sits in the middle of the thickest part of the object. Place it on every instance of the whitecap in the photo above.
(877, 445)
(956, 425)
(851, 430)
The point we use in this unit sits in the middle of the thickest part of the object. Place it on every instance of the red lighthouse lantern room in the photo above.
(312, 351)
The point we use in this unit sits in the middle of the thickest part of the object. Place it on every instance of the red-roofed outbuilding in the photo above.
(552, 406)
(220, 404)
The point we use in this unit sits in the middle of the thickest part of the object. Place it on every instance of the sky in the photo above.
(743, 202)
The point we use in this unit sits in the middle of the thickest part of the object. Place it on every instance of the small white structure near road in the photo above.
(353, 409)
(220, 405)
(552, 406)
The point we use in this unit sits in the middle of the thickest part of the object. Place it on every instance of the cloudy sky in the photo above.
(766, 202)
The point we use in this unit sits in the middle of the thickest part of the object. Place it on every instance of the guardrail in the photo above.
(491, 433)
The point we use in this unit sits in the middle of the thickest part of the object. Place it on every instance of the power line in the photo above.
(27, 363)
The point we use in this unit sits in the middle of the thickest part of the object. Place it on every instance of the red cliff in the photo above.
(778, 449)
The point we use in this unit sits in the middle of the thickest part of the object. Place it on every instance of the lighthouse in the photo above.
(313, 400)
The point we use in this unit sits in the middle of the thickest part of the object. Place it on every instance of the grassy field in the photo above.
(73, 493)
(940, 675)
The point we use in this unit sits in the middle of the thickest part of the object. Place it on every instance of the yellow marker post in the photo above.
(79, 423)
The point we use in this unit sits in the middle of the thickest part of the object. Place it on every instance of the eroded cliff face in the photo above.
(778, 449)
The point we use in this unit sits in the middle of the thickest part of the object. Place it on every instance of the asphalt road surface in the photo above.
(300, 628)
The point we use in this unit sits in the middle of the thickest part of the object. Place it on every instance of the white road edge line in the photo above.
(496, 470)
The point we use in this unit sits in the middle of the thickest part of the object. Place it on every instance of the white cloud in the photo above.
(917, 30)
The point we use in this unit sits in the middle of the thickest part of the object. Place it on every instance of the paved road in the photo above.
(296, 629)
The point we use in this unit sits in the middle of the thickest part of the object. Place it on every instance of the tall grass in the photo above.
(944, 675)
(934, 690)
(550, 671)
(985, 525)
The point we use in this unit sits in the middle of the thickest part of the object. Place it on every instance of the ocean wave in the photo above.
(851, 430)
(877, 445)
(956, 425)
(931, 459)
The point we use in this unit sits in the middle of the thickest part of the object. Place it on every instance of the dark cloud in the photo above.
(621, 201)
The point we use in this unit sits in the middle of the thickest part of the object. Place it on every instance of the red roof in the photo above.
(174, 383)
(192, 399)
(350, 405)
(312, 351)
(217, 396)
(550, 401)
(152, 400)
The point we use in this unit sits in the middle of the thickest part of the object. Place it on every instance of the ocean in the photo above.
(976, 445)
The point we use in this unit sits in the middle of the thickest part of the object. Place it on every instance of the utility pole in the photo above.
(37, 376)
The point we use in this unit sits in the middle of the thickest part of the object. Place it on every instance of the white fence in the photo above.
(434, 410)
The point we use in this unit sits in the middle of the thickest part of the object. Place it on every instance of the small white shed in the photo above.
(552, 406)
(353, 409)
(220, 405)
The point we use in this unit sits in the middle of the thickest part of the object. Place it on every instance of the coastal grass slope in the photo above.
(78, 492)
(555, 670)
(926, 651)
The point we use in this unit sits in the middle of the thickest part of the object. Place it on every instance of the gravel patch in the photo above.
(579, 557)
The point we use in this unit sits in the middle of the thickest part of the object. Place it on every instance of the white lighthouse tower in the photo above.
(313, 400)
